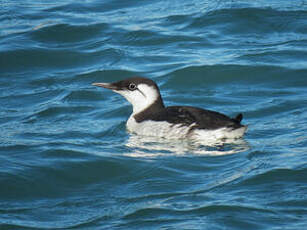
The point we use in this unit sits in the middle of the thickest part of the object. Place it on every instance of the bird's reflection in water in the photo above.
(145, 146)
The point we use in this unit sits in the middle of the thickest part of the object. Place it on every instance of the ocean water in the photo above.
(66, 159)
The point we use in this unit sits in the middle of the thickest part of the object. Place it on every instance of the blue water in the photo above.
(66, 159)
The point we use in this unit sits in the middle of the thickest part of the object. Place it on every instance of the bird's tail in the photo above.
(238, 118)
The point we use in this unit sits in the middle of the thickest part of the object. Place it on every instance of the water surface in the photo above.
(66, 159)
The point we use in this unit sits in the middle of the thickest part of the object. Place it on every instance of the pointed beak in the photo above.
(106, 85)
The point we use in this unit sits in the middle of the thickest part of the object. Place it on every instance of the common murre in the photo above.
(151, 118)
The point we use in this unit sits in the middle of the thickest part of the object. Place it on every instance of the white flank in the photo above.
(219, 134)
(170, 131)
(157, 129)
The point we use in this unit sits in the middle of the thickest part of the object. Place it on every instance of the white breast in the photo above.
(161, 129)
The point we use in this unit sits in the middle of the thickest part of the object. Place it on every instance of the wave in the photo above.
(54, 59)
(58, 171)
(208, 75)
(61, 34)
(276, 176)
(154, 213)
(231, 21)
(66, 159)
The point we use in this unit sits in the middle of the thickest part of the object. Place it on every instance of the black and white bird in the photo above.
(151, 118)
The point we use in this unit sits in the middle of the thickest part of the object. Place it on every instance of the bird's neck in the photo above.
(156, 106)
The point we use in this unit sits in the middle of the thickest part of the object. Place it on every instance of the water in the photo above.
(66, 160)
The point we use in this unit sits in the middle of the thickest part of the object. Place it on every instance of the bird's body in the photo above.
(151, 118)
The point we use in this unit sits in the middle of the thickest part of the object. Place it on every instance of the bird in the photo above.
(150, 117)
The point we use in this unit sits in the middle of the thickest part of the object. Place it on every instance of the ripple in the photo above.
(65, 33)
(148, 214)
(67, 161)
(152, 147)
(279, 176)
(79, 96)
(256, 17)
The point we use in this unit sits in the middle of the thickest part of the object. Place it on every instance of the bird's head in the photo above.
(140, 92)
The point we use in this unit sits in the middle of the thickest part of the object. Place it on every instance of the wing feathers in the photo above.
(201, 118)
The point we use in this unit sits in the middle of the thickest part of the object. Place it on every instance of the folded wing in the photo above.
(201, 118)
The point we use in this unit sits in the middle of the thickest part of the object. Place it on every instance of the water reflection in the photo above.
(144, 146)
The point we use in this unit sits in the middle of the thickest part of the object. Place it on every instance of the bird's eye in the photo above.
(132, 86)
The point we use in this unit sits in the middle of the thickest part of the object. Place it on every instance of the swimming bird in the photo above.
(150, 117)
